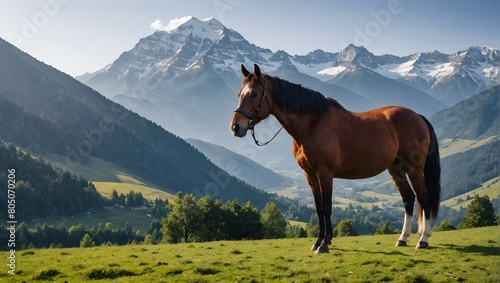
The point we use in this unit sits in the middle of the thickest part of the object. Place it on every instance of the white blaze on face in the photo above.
(245, 90)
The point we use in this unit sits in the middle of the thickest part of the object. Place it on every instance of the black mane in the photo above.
(298, 99)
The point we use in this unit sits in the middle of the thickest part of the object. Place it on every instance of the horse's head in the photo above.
(254, 104)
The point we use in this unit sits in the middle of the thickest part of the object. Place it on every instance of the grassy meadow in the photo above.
(470, 255)
(107, 177)
(490, 188)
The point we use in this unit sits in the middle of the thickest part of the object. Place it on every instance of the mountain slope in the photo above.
(42, 190)
(103, 129)
(466, 171)
(385, 91)
(30, 131)
(241, 167)
(473, 118)
(474, 123)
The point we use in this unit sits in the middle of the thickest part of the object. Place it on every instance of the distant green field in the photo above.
(452, 146)
(127, 184)
(490, 188)
(107, 177)
(471, 255)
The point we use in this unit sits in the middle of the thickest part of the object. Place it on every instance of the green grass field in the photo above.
(107, 177)
(453, 146)
(471, 255)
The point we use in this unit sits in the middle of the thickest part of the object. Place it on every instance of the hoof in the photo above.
(314, 247)
(401, 243)
(422, 245)
(322, 250)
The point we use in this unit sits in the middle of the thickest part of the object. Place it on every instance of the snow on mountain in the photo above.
(449, 78)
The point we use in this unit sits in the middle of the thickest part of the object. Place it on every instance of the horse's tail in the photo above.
(432, 172)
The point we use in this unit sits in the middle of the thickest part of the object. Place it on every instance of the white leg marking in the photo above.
(425, 231)
(406, 228)
(406, 231)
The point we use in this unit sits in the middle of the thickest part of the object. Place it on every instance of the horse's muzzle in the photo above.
(239, 130)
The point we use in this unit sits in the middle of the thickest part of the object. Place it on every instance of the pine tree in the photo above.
(480, 213)
(384, 229)
(149, 240)
(312, 228)
(445, 225)
(273, 221)
(345, 228)
(87, 241)
(183, 220)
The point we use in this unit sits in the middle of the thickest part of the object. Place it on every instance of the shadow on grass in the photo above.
(336, 250)
(484, 250)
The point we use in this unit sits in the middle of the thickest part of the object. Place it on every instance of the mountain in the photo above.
(472, 119)
(356, 65)
(54, 114)
(448, 78)
(241, 167)
(469, 133)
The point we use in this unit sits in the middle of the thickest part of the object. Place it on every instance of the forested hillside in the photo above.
(42, 190)
(30, 131)
(463, 172)
(469, 121)
(473, 118)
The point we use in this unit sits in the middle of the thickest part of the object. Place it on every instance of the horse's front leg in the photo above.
(319, 212)
(314, 184)
(326, 182)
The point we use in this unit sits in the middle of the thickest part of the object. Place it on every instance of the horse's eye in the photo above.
(254, 94)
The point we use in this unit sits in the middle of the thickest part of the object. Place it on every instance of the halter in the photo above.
(252, 116)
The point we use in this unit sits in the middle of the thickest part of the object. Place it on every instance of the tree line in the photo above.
(209, 220)
(205, 219)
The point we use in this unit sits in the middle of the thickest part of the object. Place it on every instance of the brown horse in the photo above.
(332, 142)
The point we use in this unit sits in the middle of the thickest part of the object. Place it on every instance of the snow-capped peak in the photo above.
(356, 55)
(207, 28)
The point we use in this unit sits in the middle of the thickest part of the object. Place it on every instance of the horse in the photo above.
(330, 142)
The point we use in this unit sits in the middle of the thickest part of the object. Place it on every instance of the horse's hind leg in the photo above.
(424, 226)
(399, 178)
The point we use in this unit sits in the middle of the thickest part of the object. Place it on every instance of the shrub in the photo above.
(98, 274)
(47, 275)
(445, 225)
(206, 271)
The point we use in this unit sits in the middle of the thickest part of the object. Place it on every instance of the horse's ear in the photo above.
(244, 71)
(256, 71)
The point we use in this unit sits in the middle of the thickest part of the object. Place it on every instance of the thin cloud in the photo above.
(172, 24)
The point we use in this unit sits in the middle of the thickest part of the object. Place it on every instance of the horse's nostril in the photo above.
(236, 128)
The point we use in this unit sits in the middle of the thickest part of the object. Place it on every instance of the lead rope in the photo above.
(257, 142)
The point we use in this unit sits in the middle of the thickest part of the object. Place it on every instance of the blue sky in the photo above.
(78, 36)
